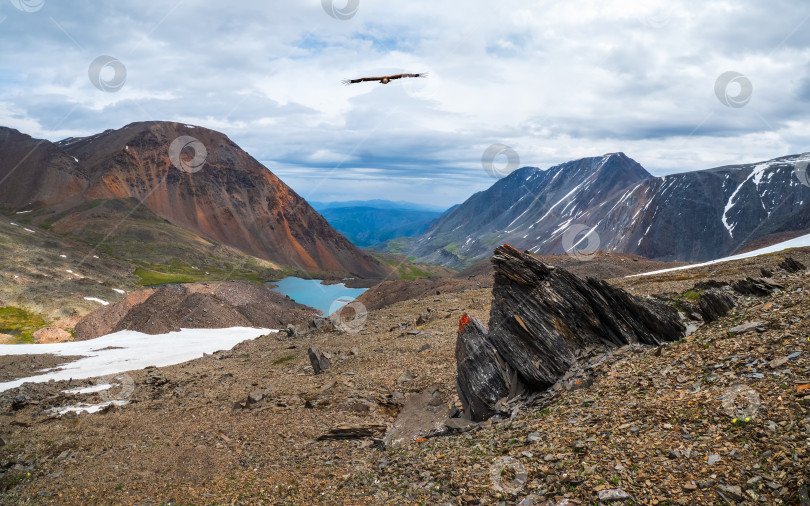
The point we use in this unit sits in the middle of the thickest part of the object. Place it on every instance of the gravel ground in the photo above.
(241, 426)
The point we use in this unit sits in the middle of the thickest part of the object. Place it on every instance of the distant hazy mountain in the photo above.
(368, 226)
(377, 204)
(691, 216)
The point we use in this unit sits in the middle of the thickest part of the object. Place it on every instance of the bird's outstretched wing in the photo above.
(400, 76)
(382, 78)
(362, 79)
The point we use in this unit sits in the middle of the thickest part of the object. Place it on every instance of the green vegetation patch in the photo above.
(20, 323)
(692, 295)
(149, 277)
(283, 359)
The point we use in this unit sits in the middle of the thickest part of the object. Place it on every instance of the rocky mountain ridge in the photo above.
(227, 196)
(611, 203)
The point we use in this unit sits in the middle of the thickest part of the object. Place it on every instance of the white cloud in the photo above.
(555, 81)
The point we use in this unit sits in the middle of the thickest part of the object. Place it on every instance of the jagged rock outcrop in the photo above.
(792, 265)
(757, 287)
(715, 304)
(541, 315)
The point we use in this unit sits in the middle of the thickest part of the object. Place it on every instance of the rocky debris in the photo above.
(791, 265)
(219, 304)
(320, 361)
(715, 304)
(758, 287)
(103, 320)
(540, 316)
(357, 431)
(290, 330)
(51, 335)
(423, 415)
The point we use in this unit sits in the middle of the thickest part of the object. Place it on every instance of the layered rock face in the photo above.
(541, 315)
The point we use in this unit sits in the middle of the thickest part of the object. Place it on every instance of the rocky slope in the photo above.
(230, 198)
(651, 424)
(690, 216)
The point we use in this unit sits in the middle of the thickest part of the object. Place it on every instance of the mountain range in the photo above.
(368, 224)
(94, 187)
(611, 203)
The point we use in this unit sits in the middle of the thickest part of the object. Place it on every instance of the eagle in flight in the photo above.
(383, 79)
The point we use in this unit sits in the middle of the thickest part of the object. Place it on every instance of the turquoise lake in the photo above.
(327, 298)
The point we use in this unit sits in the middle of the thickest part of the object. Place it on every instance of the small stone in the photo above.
(533, 437)
(712, 459)
(406, 376)
(733, 491)
(613, 495)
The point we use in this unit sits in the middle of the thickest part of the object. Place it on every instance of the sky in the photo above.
(677, 85)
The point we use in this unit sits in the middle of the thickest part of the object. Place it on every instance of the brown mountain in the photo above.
(232, 199)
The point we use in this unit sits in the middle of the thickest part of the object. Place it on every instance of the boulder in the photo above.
(540, 317)
(715, 304)
(320, 361)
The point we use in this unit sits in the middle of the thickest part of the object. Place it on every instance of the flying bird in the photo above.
(383, 79)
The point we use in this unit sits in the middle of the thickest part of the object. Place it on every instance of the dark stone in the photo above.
(540, 317)
(757, 287)
(320, 361)
(290, 330)
(715, 304)
(20, 401)
(791, 265)
(359, 431)
(766, 273)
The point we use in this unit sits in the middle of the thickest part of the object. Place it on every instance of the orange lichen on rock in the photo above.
(463, 322)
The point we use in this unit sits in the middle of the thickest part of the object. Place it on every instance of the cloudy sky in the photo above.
(676, 84)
